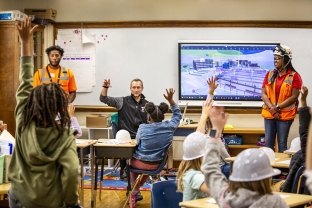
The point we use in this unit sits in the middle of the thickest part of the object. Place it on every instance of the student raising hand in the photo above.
(25, 32)
(212, 85)
(218, 119)
(169, 95)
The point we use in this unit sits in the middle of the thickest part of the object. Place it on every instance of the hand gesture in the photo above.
(106, 83)
(25, 30)
(217, 117)
(212, 85)
(71, 110)
(304, 92)
(169, 95)
(206, 107)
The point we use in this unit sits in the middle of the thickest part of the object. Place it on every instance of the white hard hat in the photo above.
(123, 136)
(282, 50)
(252, 165)
(295, 145)
(194, 146)
(269, 152)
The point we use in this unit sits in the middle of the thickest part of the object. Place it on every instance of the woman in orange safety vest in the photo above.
(280, 91)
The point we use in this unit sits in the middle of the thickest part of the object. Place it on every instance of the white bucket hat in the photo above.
(295, 145)
(123, 136)
(252, 165)
(270, 153)
(194, 146)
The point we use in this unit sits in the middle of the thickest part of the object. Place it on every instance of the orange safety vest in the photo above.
(62, 80)
(287, 113)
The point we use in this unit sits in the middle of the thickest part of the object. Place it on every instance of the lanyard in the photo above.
(58, 77)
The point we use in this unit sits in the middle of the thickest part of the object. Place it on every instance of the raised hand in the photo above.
(206, 107)
(169, 95)
(212, 85)
(217, 117)
(71, 110)
(25, 29)
(304, 93)
(106, 83)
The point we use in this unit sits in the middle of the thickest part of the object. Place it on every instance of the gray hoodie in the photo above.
(218, 184)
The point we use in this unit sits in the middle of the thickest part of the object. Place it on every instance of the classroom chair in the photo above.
(298, 185)
(164, 194)
(147, 172)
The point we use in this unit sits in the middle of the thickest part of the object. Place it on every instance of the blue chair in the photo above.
(164, 194)
(298, 184)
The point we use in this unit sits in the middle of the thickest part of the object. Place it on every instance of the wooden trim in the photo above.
(188, 23)
(94, 108)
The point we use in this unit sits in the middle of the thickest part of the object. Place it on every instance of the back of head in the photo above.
(194, 146)
(157, 113)
(123, 136)
(252, 165)
(45, 102)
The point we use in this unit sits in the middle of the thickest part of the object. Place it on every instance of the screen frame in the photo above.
(218, 102)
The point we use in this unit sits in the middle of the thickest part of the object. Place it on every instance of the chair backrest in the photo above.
(164, 194)
(160, 167)
(299, 181)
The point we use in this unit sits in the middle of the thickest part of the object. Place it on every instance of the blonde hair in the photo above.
(262, 187)
(184, 166)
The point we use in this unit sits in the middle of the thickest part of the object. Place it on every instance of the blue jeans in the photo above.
(226, 169)
(277, 128)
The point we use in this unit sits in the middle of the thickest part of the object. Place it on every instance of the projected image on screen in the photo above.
(239, 68)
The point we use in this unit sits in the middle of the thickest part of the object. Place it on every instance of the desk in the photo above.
(82, 144)
(292, 200)
(282, 160)
(4, 189)
(108, 148)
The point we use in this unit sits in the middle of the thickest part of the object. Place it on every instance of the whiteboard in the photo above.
(151, 54)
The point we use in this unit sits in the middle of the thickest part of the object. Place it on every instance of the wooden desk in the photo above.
(82, 144)
(109, 149)
(292, 200)
(282, 160)
(4, 188)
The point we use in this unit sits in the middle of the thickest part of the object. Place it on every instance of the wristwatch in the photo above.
(212, 133)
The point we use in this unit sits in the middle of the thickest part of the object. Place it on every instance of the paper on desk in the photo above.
(211, 200)
(82, 141)
(107, 141)
(284, 162)
(283, 196)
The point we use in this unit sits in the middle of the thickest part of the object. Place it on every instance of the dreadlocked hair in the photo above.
(45, 103)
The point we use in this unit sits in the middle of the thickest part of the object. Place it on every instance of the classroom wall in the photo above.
(127, 10)
(140, 10)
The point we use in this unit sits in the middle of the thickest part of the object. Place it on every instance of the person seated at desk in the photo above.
(44, 168)
(154, 138)
(298, 158)
(250, 182)
(190, 179)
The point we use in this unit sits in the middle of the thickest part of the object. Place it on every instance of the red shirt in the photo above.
(297, 81)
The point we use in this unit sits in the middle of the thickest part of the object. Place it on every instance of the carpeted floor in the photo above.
(111, 181)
